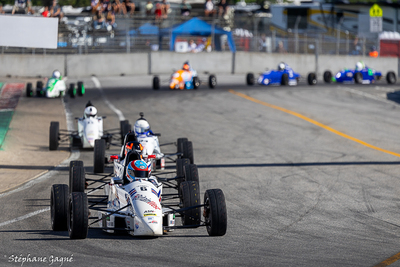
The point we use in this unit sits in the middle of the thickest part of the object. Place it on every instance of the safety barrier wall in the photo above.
(30, 65)
(165, 62)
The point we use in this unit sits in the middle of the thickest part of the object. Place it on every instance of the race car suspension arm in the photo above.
(182, 211)
(110, 213)
(167, 144)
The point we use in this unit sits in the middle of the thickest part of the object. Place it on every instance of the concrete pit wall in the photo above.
(78, 66)
(30, 65)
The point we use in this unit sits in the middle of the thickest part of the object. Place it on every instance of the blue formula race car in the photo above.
(361, 75)
(284, 75)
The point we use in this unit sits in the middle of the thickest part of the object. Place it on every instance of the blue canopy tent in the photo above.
(145, 29)
(199, 27)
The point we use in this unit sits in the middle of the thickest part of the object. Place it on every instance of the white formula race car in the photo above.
(90, 128)
(55, 86)
(134, 203)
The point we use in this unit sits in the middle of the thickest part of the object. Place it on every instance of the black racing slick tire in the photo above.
(191, 173)
(312, 78)
(72, 90)
(78, 215)
(59, 207)
(285, 79)
(215, 212)
(81, 88)
(188, 151)
(250, 78)
(72, 164)
(327, 76)
(196, 82)
(179, 143)
(39, 88)
(124, 129)
(77, 179)
(29, 90)
(99, 155)
(212, 81)
(358, 78)
(54, 135)
(190, 196)
(391, 77)
(156, 83)
(180, 169)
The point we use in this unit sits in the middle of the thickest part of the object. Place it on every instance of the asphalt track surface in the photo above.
(297, 194)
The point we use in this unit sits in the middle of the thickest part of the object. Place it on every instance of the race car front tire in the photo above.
(327, 76)
(179, 143)
(214, 213)
(196, 82)
(77, 179)
(78, 215)
(312, 78)
(81, 88)
(188, 151)
(180, 169)
(59, 207)
(190, 196)
(191, 173)
(54, 135)
(72, 90)
(39, 88)
(125, 127)
(285, 79)
(99, 154)
(391, 77)
(156, 83)
(212, 81)
(358, 78)
(29, 91)
(250, 78)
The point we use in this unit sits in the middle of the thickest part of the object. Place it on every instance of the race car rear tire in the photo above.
(190, 196)
(215, 212)
(212, 81)
(196, 82)
(99, 154)
(188, 151)
(78, 215)
(77, 179)
(54, 135)
(358, 78)
(29, 91)
(312, 78)
(191, 173)
(285, 79)
(59, 207)
(156, 83)
(74, 163)
(124, 129)
(327, 76)
(250, 78)
(72, 90)
(180, 144)
(39, 88)
(180, 169)
(391, 77)
(81, 88)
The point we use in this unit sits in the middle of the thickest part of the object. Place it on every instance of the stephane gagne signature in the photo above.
(50, 260)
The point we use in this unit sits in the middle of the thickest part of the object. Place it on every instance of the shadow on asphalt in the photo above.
(394, 96)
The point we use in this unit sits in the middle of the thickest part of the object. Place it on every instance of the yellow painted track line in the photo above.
(389, 261)
(314, 122)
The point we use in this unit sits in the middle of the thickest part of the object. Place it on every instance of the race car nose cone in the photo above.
(148, 227)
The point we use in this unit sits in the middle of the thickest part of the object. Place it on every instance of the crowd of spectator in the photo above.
(104, 12)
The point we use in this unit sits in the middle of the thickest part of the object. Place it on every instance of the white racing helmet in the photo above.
(359, 66)
(90, 111)
(56, 74)
(281, 66)
(141, 126)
